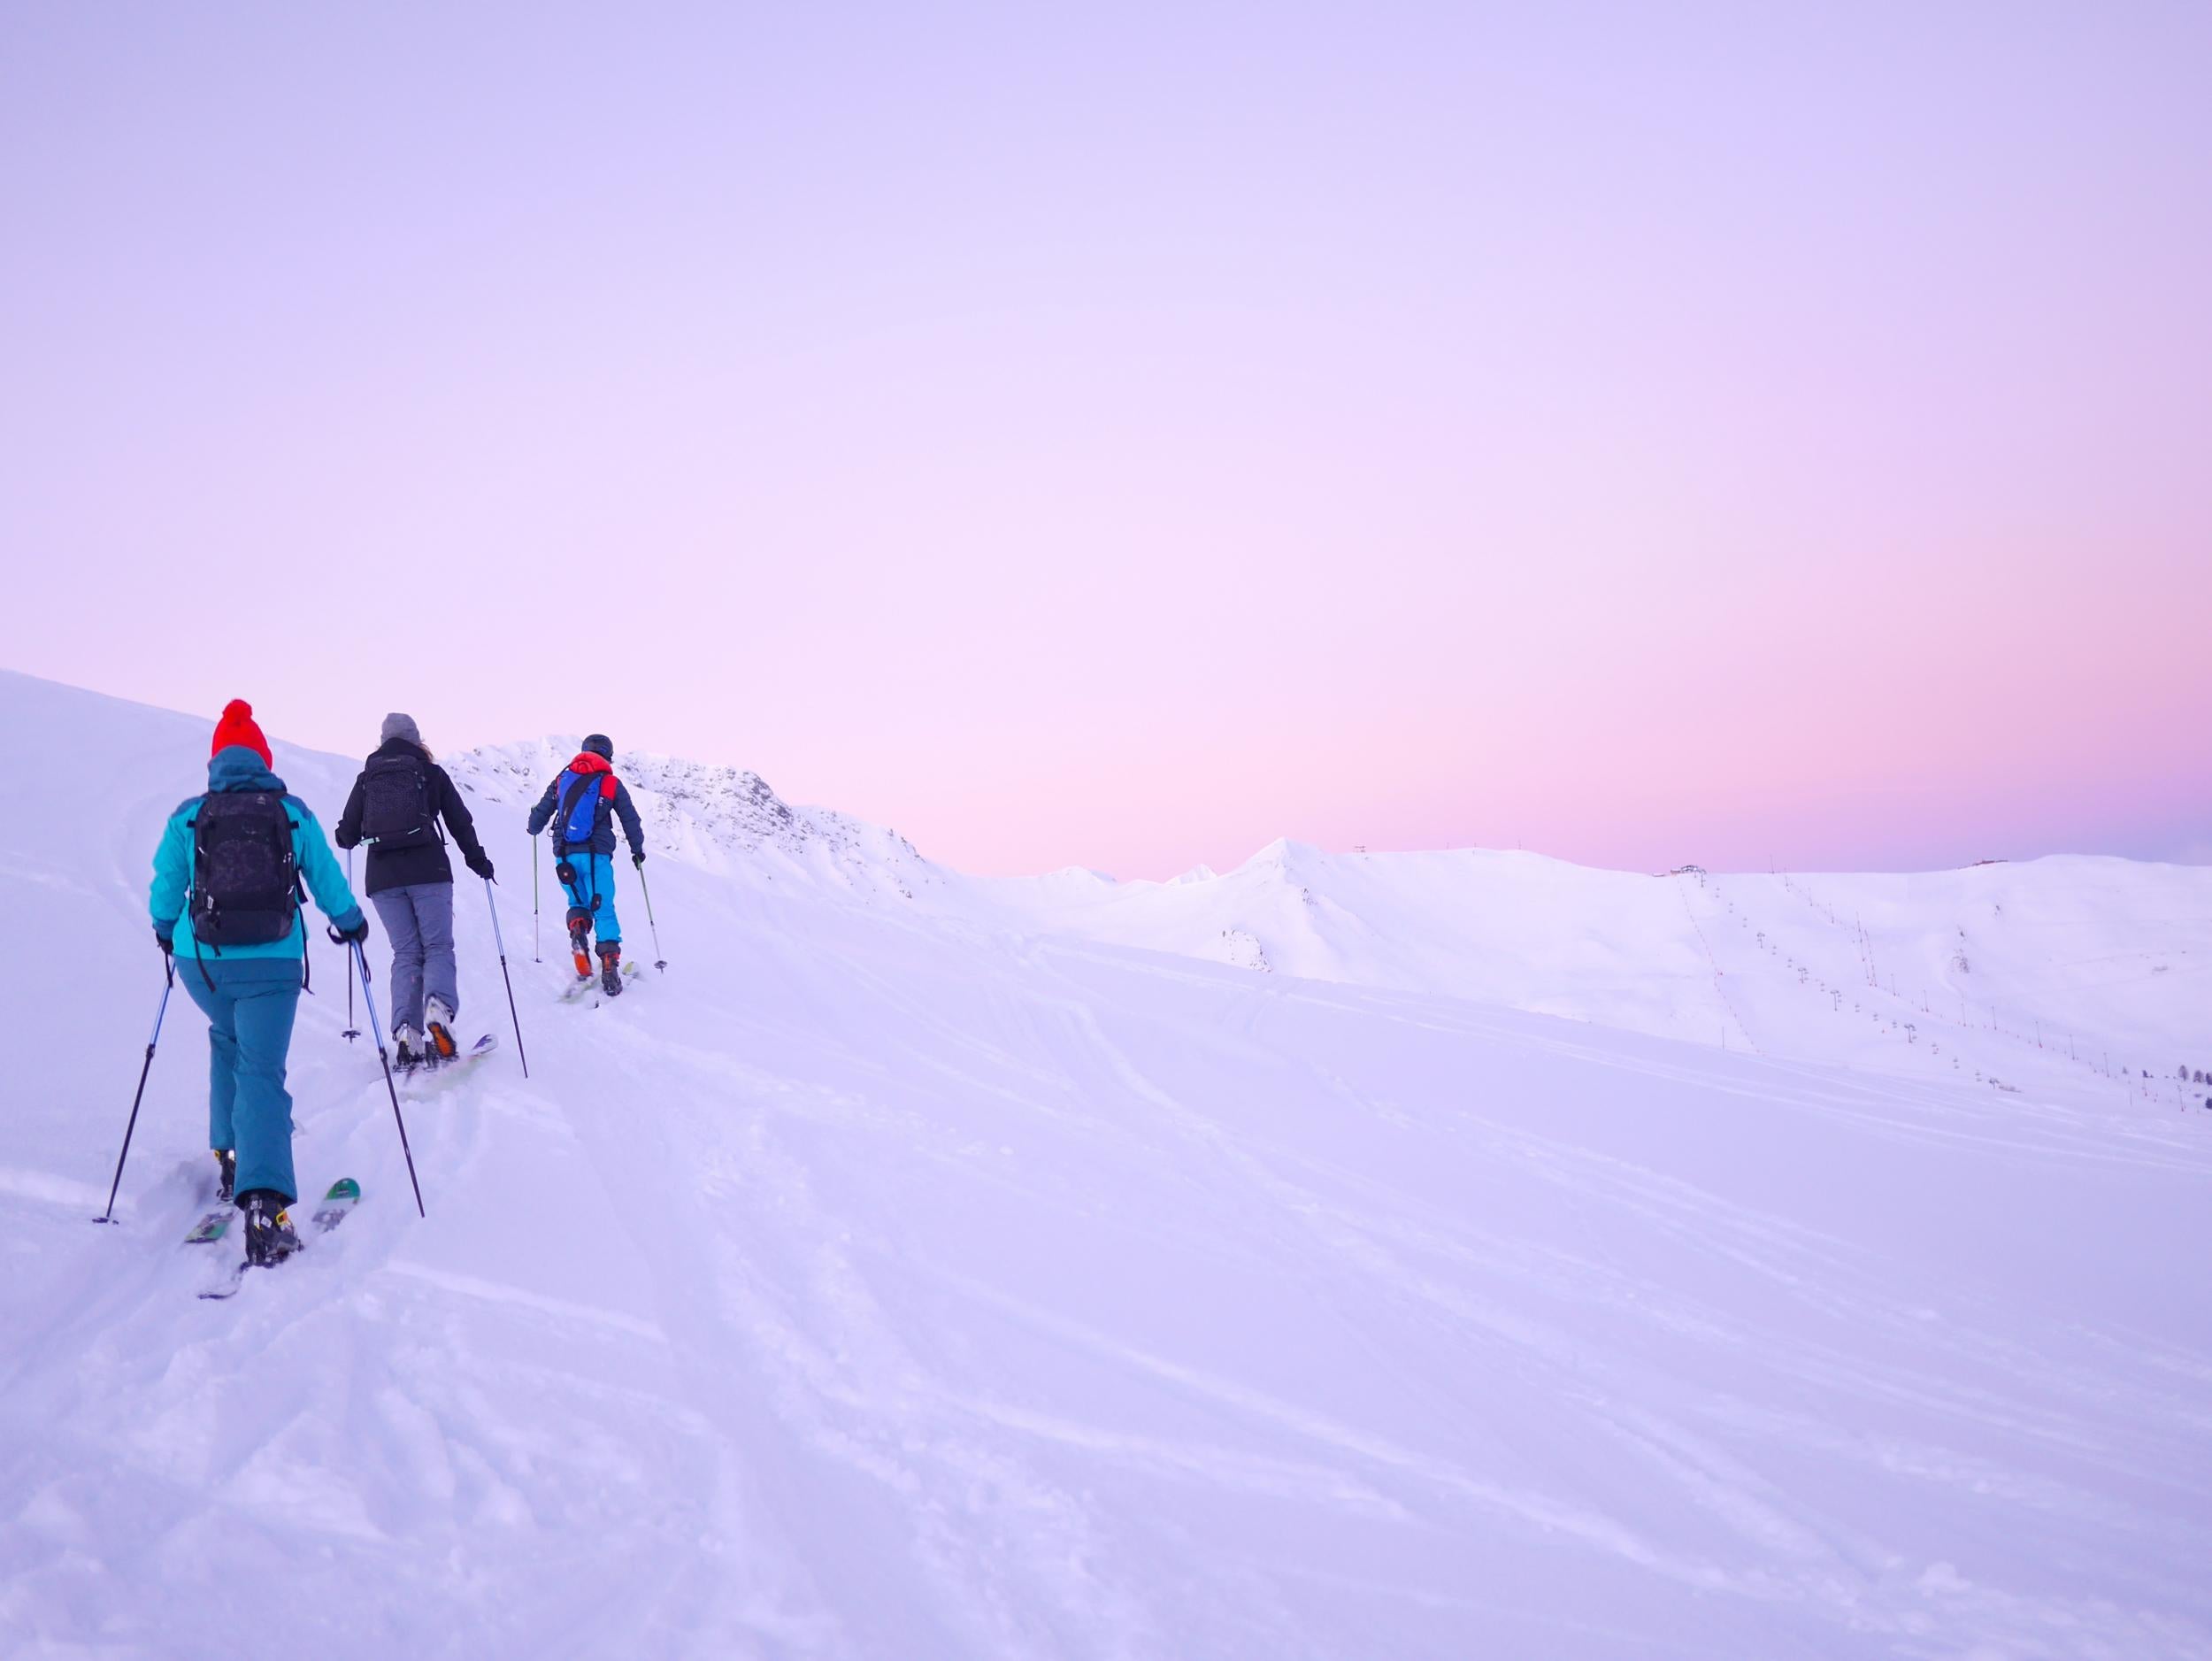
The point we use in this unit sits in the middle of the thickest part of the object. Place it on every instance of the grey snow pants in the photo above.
(420, 921)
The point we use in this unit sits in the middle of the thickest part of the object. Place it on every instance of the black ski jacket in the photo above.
(398, 868)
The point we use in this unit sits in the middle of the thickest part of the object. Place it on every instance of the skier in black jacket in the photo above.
(395, 809)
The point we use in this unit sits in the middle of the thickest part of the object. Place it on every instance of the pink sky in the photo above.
(1125, 441)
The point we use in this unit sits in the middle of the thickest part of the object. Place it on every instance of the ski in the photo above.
(233, 1278)
(214, 1225)
(577, 991)
(344, 1195)
(426, 1073)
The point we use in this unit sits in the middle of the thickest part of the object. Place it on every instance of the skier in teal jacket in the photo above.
(224, 899)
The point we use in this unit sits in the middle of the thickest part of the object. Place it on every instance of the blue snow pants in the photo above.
(594, 880)
(249, 1012)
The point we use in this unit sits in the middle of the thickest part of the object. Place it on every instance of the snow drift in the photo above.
(903, 1275)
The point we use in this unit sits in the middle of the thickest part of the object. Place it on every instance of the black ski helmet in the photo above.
(599, 744)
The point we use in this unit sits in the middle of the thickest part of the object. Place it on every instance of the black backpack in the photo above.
(245, 872)
(395, 810)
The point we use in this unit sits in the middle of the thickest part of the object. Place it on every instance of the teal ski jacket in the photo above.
(237, 768)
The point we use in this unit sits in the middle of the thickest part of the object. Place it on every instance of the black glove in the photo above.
(637, 856)
(161, 939)
(352, 936)
(481, 863)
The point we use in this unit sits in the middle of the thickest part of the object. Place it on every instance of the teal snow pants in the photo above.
(250, 1011)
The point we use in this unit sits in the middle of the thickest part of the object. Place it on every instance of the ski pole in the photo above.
(361, 963)
(659, 962)
(503, 975)
(533, 901)
(351, 1031)
(168, 985)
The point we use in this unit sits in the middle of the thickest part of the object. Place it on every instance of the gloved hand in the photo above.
(637, 858)
(481, 863)
(162, 939)
(352, 936)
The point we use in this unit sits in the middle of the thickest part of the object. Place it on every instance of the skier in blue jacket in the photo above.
(582, 805)
(225, 896)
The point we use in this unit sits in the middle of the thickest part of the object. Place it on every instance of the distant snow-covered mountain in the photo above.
(725, 820)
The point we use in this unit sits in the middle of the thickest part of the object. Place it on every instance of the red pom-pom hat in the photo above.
(237, 727)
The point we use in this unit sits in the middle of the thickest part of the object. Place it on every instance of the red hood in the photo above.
(587, 765)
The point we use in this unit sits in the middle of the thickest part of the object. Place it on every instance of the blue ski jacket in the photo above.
(237, 768)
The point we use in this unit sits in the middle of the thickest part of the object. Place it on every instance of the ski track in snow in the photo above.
(891, 1280)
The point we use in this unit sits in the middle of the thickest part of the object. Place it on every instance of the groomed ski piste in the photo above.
(1348, 1256)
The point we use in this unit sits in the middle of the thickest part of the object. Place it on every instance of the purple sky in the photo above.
(1646, 432)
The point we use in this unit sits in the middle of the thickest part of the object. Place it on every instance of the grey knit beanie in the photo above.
(401, 727)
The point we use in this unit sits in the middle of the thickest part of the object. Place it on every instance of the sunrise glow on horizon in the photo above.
(1716, 434)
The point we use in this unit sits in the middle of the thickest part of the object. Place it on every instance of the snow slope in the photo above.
(888, 1281)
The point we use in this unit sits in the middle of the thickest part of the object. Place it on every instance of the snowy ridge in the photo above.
(725, 820)
(2060, 966)
(890, 1281)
